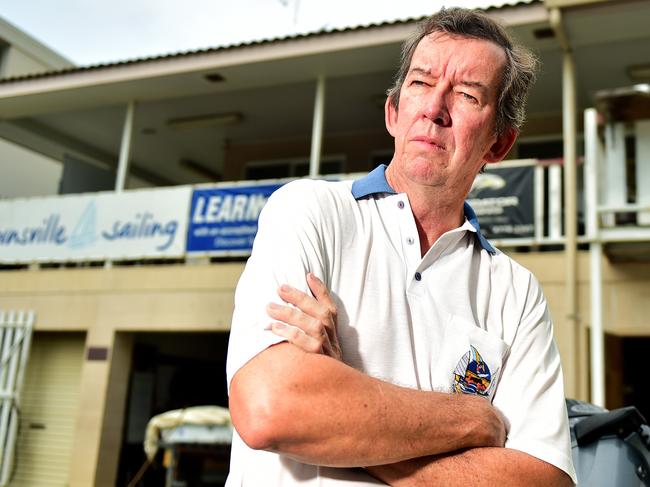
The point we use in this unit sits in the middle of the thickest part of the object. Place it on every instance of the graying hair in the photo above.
(518, 75)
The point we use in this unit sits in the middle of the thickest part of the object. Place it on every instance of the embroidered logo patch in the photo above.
(472, 375)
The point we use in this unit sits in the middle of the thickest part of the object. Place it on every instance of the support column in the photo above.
(100, 417)
(125, 148)
(569, 109)
(571, 213)
(317, 128)
(596, 337)
(593, 153)
(115, 410)
(125, 154)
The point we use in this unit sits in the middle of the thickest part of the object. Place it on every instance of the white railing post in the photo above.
(555, 201)
(591, 172)
(16, 342)
(642, 133)
(539, 203)
(7, 324)
(615, 191)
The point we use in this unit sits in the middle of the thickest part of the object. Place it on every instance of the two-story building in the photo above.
(146, 173)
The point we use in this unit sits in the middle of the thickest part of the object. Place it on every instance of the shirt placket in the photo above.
(409, 242)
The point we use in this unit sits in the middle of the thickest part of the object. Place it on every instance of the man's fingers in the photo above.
(306, 303)
(324, 310)
(308, 321)
(323, 297)
(320, 292)
(289, 314)
(299, 319)
(296, 336)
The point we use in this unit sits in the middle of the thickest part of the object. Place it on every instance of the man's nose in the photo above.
(436, 108)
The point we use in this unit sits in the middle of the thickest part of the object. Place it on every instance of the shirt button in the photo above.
(418, 276)
(400, 205)
(410, 240)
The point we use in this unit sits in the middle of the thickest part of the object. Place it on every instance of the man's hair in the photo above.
(517, 77)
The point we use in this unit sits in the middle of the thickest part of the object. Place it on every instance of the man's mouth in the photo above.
(434, 142)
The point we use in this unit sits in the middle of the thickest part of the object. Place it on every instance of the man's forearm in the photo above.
(320, 411)
(477, 467)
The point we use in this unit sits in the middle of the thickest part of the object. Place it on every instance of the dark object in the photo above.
(609, 448)
(97, 353)
(84, 177)
(620, 422)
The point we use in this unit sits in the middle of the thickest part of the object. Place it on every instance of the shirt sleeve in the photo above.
(287, 246)
(531, 389)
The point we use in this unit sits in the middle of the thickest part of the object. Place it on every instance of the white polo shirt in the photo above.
(463, 318)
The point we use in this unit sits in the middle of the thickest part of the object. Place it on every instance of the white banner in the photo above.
(98, 226)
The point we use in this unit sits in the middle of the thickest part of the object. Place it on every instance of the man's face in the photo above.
(444, 129)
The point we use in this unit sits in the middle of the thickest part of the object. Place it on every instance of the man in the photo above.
(433, 350)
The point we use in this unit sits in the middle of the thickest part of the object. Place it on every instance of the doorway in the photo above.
(172, 371)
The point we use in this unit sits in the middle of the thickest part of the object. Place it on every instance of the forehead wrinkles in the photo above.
(455, 57)
(429, 59)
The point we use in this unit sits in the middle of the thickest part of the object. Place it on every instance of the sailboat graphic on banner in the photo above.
(85, 231)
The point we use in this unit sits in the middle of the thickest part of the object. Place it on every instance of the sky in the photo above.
(98, 31)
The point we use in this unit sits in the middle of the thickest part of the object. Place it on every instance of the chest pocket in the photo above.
(470, 359)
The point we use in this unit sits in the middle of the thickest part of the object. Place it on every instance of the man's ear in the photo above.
(390, 116)
(502, 145)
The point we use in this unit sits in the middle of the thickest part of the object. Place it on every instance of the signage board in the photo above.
(149, 223)
(503, 199)
(223, 220)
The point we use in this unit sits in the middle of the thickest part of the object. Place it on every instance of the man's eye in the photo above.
(417, 82)
(468, 97)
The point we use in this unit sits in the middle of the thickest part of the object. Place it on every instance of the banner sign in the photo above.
(503, 199)
(223, 220)
(98, 226)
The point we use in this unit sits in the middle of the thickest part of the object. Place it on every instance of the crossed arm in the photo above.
(299, 399)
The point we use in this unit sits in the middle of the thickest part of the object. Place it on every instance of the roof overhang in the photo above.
(333, 54)
(272, 83)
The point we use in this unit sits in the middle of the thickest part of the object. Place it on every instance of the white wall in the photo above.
(24, 173)
(25, 55)
(20, 63)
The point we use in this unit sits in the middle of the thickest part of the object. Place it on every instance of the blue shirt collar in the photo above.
(473, 220)
(375, 182)
(371, 183)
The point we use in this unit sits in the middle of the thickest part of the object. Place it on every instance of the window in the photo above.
(292, 168)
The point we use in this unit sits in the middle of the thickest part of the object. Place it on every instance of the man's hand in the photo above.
(480, 467)
(310, 324)
(347, 418)
(320, 411)
(313, 330)
(310, 321)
